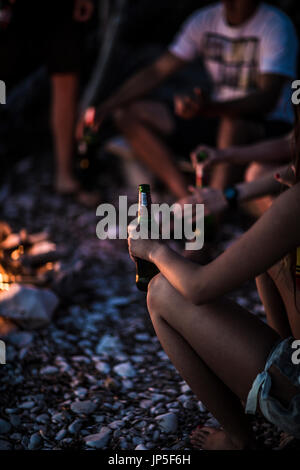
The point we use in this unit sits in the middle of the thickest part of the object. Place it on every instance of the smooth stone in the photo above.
(202, 408)
(83, 407)
(49, 370)
(102, 367)
(145, 404)
(125, 370)
(5, 427)
(81, 392)
(5, 445)
(141, 447)
(99, 440)
(35, 442)
(75, 427)
(143, 337)
(20, 338)
(168, 422)
(109, 345)
(43, 418)
(27, 405)
(116, 424)
(60, 435)
(15, 420)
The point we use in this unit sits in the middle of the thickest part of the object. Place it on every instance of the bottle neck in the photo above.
(144, 199)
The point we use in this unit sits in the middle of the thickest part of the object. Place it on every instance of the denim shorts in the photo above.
(285, 418)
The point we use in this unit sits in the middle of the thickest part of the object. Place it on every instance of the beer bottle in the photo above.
(87, 150)
(145, 270)
(208, 219)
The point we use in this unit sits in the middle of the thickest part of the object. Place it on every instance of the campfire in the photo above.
(28, 265)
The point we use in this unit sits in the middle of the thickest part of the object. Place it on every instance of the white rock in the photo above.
(141, 447)
(202, 408)
(103, 367)
(143, 337)
(35, 442)
(49, 370)
(185, 388)
(28, 306)
(20, 338)
(168, 422)
(116, 424)
(99, 440)
(109, 345)
(83, 407)
(5, 427)
(125, 370)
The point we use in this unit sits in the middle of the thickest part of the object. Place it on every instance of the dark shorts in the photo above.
(59, 49)
(188, 134)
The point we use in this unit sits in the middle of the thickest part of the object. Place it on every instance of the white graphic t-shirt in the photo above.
(235, 55)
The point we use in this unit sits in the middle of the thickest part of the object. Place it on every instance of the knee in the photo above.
(157, 291)
(125, 117)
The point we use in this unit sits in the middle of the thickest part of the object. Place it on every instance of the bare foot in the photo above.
(211, 439)
(66, 185)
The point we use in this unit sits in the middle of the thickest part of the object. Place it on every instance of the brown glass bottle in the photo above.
(145, 270)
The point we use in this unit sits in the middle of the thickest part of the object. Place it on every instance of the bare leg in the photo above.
(64, 101)
(233, 132)
(274, 306)
(253, 172)
(141, 123)
(212, 348)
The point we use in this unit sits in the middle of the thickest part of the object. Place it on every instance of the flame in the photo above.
(16, 254)
(4, 285)
(5, 280)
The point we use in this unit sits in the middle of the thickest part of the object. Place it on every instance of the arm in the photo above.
(142, 82)
(275, 151)
(263, 186)
(268, 151)
(215, 201)
(261, 101)
(274, 235)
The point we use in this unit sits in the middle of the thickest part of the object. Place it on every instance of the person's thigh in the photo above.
(232, 342)
(154, 114)
(273, 304)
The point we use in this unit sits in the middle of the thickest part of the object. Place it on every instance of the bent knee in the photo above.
(157, 291)
(124, 116)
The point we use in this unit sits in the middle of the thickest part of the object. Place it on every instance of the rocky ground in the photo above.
(97, 377)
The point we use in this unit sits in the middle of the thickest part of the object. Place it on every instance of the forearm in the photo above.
(258, 102)
(260, 187)
(179, 271)
(274, 235)
(143, 82)
(269, 151)
(136, 87)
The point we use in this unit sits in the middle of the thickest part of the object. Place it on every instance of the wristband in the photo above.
(231, 195)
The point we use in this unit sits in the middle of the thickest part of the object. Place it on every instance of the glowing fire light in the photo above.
(16, 254)
(4, 282)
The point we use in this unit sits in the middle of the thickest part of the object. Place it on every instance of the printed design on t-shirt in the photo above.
(235, 60)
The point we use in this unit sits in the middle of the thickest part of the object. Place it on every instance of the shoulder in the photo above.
(204, 16)
(276, 19)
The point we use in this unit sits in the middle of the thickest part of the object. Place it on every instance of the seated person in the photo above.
(249, 50)
(226, 354)
(262, 161)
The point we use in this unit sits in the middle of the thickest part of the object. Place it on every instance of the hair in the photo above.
(296, 144)
(289, 261)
